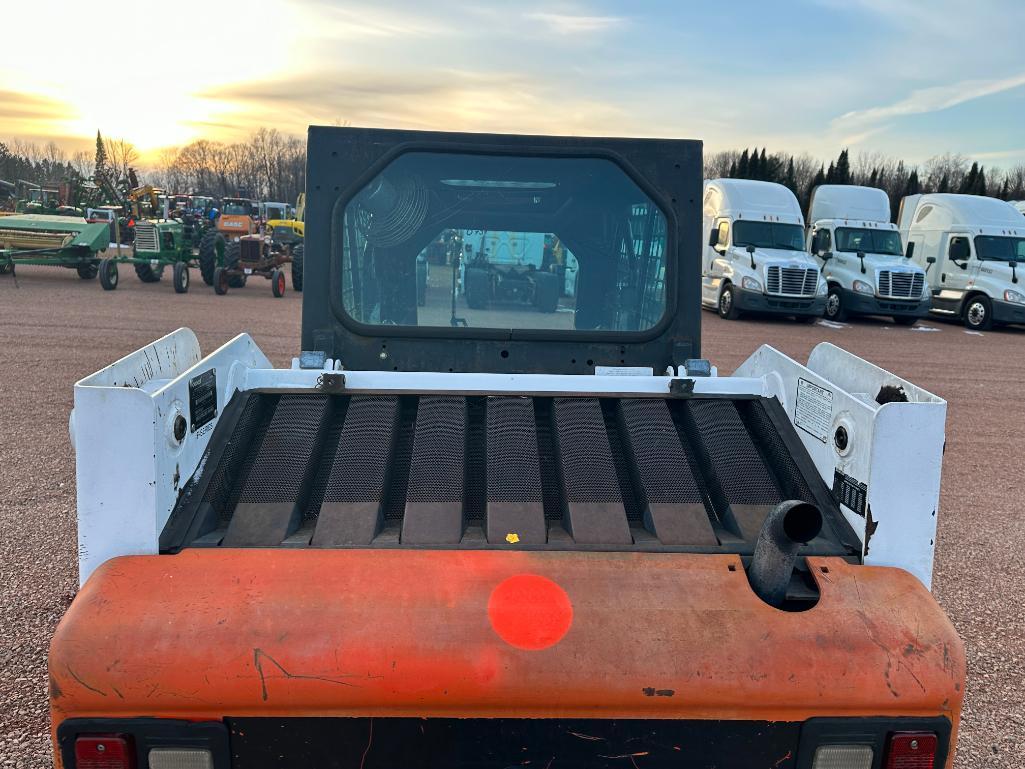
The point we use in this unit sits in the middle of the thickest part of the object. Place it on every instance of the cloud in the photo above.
(934, 99)
(18, 106)
(572, 24)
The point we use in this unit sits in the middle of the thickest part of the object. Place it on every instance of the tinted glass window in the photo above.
(768, 235)
(1000, 248)
(450, 240)
(868, 241)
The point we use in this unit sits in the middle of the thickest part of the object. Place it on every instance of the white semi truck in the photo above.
(972, 248)
(863, 261)
(754, 258)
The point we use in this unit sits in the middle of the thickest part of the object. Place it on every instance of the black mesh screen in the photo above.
(513, 469)
(566, 452)
(285, 450)
(364, 445)
(739, 467)
(585, 458)
(436, 464)
(662, 465)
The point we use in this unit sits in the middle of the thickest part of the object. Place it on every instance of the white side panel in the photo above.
(894, 449)
(129, 467)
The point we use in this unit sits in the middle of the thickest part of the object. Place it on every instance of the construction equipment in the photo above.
(287, 236)
(511, 538)
(251, 255)
(237, 218)
(58, 241)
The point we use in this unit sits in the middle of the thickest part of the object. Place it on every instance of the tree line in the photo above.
(268, 165)
(802, 173)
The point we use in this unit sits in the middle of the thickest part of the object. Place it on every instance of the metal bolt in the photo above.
(914, 744)
(100, 748)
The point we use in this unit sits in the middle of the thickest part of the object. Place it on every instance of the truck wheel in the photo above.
(148, 273)
(211, 254)
(905, 320)
(277, 283)
(727, 304)
(88, 270)
(297, 267)
(835, 309)
(221, 281)
(546, 291)
(108, 274)
(478, 288)
(232, 261)
(7, 268)
(978, 313)
(181, 278)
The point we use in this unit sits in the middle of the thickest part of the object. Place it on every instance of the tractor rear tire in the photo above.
(546, 291)
(181, 278)
(297, 267)
(7, 268)
(148, 273)
(478, 288)
(233, 262)
(108, 274)
(221, 281)
(88, 270)
(277, 283)
(211, 254)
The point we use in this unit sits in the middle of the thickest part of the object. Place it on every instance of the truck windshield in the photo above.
(500, 242)
(868, 241)
(236, 209)
(997, 248)
(768, 235)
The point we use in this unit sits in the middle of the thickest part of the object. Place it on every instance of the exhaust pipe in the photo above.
(788, 526)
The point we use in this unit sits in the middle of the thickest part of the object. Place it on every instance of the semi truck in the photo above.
(971, 248)
(496, 545)
(755, 258)
(863, 261)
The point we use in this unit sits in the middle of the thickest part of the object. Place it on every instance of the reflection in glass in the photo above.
(449, 240)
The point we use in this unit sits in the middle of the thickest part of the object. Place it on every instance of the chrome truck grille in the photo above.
(146, 238)
(900, 285)
(793, 281)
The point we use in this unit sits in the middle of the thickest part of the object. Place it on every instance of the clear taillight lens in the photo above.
(842, 757)
(180, 758)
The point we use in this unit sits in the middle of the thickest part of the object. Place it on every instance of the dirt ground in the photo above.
(55, 329)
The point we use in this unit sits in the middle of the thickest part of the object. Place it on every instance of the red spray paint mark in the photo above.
(530, 612)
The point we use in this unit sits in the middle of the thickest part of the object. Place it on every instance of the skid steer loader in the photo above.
(458, 537)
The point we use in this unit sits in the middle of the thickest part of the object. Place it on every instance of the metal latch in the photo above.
(331, 382)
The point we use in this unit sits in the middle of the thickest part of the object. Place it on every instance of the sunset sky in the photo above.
(912, 79)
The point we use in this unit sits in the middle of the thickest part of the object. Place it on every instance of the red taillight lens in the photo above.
(104, 752)
(911, 750)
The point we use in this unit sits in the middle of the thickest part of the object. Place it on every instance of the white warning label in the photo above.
(813, 411)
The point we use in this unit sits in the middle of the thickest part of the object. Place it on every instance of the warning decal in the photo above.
(203, 398)
(813, 411)
(850, 492)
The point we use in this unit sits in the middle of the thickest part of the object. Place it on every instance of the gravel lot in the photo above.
(55, 329)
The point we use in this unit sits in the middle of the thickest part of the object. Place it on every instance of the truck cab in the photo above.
(754, 256)
(461, 537)
(973, 251)
(867, 269)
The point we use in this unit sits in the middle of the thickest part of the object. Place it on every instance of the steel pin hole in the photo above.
(180, 428)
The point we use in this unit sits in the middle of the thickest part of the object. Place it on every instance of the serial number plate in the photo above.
(248, 270)
(202, 398)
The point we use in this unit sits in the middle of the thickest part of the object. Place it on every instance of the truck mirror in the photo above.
(826, 256)
(713, 237)
(910, 250)
(751, 253)
(929, 259)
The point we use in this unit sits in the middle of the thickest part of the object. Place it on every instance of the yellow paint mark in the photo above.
(512, 537)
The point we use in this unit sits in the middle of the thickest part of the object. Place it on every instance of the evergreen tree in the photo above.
(102, 167)
(790, 179)
(764, 171)
(980, 182)
(913, 186)
(969, 183)
(1005, 191)
(944, 185)
(843, 169)
(819, 178)
(732, 174)
(873, 179)
(742, 166)
(831, 173)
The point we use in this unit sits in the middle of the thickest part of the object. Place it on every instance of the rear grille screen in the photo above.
(453, 470)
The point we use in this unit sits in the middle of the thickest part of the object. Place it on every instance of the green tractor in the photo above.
(159, 243)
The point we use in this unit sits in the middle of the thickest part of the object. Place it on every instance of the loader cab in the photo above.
(535, 259)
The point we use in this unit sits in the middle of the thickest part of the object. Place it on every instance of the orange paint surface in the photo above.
(210, 633)
(530, 612)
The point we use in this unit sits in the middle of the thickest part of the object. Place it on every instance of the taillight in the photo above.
(911, 750)
(843, 757)
(104, 752)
